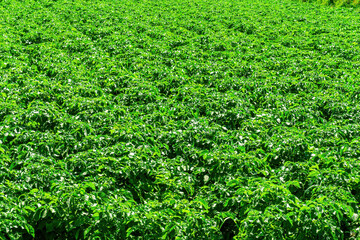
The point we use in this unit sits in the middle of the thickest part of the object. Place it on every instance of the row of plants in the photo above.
(337, 3)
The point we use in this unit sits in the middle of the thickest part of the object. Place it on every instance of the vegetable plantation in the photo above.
(179, 119)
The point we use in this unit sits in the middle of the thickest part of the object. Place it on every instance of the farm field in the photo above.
(179, 119)
(336, 3)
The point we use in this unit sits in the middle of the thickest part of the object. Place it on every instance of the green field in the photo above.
(179, 119)
(336, 3)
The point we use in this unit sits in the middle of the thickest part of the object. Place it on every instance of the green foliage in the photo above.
(175, 119)
(337, 3)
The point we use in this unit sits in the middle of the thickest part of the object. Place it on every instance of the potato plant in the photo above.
(179, 119)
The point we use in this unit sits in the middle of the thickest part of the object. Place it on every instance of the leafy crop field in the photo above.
(179, 119)
(337, 3)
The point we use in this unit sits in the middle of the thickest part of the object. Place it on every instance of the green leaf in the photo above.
(30, 230)
(87, 231)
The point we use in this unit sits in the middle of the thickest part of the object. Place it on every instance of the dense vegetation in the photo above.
(337, 3)
(179, 119)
